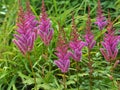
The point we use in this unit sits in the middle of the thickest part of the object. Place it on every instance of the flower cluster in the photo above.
(100, 20)
(110, 43)
(75, 44)
(62, 53)
(45, 30)
(26, 30)
(89, 36)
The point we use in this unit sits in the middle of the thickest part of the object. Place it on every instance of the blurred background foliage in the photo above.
(15, 73)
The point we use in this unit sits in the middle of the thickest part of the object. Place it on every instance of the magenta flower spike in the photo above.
(45, 30)
(63, 61)
(63, 54)
(110, 43)
(75, 44)
(109, 50)
(31, 19)
(26, 34)
(89, 38)
(76, 47)
(100, 20)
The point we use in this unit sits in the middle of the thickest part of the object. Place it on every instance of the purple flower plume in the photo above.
(75, 44)
(45, 30)
(26, 32)
(76, 47)
(62, 53)
(100, 20)
(110, 43)
(89, 36)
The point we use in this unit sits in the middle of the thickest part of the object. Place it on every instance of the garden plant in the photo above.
(59, 44)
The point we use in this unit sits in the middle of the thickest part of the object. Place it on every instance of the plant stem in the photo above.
(64, 81)
(77, 69)
(90, 68)
(100, 38)
(99, 49)
(33, 73)
(111, 69)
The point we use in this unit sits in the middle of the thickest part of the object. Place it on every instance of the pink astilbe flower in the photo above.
(75, 44)
(100, 20)
(31, 19)
(62, 53)
(26, 33)
(89, 36)
(110, 43)
(45, 30)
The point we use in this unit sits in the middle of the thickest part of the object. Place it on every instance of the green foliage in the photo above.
(15, 71)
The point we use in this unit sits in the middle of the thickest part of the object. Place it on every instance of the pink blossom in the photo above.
(75, 44)
(45, 30)
(62, 53)
(89, 37)
(100, 20)
(109, 44)
(26, 32)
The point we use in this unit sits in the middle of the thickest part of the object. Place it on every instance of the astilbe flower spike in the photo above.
(100, 20)
(75, 44)
(26, 33)
(62, 53)
(110, 43)
(89, 36)
(31, 19)
(45, 30)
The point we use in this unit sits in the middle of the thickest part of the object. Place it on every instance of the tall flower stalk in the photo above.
(26, 33)
(109, 50)
(76, 46)
(110, 43)
(63, 55)
(100, 20)
(45, 30)
(89, 38)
